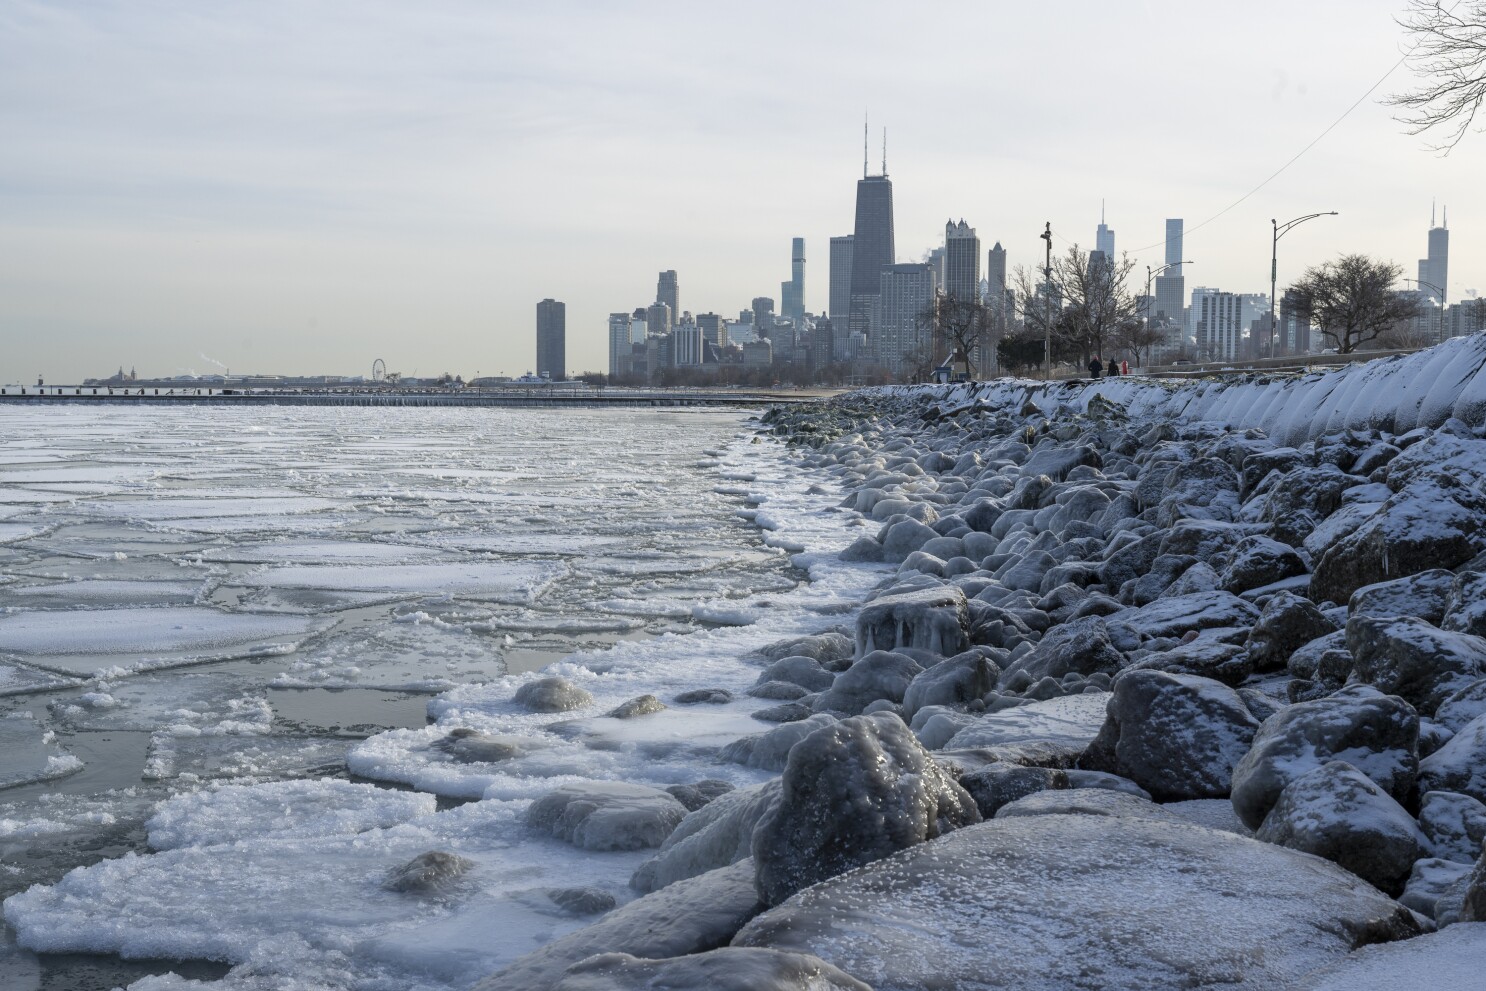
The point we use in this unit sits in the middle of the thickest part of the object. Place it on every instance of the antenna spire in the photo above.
(884, 152)
(1445, 217)
(1101, 212)
(1431, 213)
(864, 144)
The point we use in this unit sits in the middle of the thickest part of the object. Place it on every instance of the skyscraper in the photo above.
(1219, 323)
(1104, 237)
(961, 261)
(1434, 271)
(1174, 242)
(904, 292)
(763, 315)
(1171, 292)
(839, 305)
(552, 332)
(872, 242)
(619, 343)
(792, 293)
(659, 319)
(668, 291)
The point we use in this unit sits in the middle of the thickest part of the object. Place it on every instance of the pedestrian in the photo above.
(1114, 369)
(1095, 366)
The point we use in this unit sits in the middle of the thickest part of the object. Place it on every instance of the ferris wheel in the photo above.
(379, 370)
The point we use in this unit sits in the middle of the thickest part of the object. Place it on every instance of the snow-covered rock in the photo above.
(1180, 614)
(716, 835)
(1338, 813)
(1459, 765)
(935, 619)
(728, 968)
(1052, 732)
(1375, 733)
(1411, 659)
(881, 674)
(1130, 903)
(853, 792)
(1081, 646)
(555, 694)
(1287, 623)
(1452, 959)
(1259, 561)
(1177, 736)
(607, 815)
(1454, 825)
(956, 680)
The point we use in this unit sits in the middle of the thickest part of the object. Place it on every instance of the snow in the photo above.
(1452, 959)
(281, 810)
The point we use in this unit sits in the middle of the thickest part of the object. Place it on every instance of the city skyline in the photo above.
(270, 191)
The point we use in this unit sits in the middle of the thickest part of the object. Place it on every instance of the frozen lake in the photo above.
(277, 615)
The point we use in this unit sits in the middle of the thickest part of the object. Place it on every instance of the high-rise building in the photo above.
(1171, 293)
(659, 320)
(620, 354)
(1174, 242)
(792, 293)
(998, 297)
(1434, 271)
(668, 291)
(1104, 237)
(1219, 323)
(1293, 328)
(961, 261)
(763, 315)
(873, 249)
(552, 332)
(822, 344)
(839, 305)
(686, 344)
(904, 293)
(714, 328)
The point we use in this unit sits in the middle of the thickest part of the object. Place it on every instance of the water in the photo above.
(208, 597)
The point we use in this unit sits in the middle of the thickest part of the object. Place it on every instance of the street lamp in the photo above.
(1047, 304)
(1420, 282)
(1280, 230)
(1151, 274)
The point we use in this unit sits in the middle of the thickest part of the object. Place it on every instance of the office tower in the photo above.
(936, 264)
(1174, 242)
(822, 344)
(872, 242)
(839, 305)
(792, 293)
(1219, 325)
(619, 343)
(686, 345)
(1104, 237)
(1434, 271)
(904, 293)
(1294, 324)
(961, 261)
(714, 329)
(763, 315)
(552, 319)
(658, 320)
(999, 299)
(668, 291)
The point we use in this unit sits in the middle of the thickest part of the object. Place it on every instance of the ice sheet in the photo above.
(101, 593)
(518, 582)
(29, 752)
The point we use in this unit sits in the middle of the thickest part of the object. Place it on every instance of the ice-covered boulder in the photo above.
(1459, 765)
(1337, 812)
(1225, 662)
(729, 968)
(881, 674)
(1180, 614)
(1425, 596)
(428, 873)
(716, 835)
(1052, 732)
(1164, 572)
(903, 538)
(956, 680)
(1259, 561)
(1088, 802)
(864, 549)
(472, 746)
(1177, 736)
(1079, 646)
(1473, 902)
(1057, 462)
(935, 619)
(798, 669)
(641, 705)
(607, 815)
(1108, 902)
(767, 751)
(1465, 610)
(999, 784)
(1287, 623)
(1409, 658)
(1205, 489)
(1375, 733)
(1436, 888)
(1461, 706)
(853, 792)
(1303, 497)
(552, 695)
(1454, 825)
(698, 793)
(1452, 959)
(1436, 521)
(691, 916)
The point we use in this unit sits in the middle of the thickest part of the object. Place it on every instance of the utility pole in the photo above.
(1047, 304)
(1279, 231)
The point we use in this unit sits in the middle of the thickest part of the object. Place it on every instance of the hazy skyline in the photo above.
(307, 187)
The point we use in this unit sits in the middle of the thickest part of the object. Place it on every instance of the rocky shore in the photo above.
(1173, 686)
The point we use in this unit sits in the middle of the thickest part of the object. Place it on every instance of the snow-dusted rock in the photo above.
(691, 916)
(1180, 614)
(853, 792)
(798, 669)
(1214, 659)
(999, 784)
(1461, 706)
(1080, 646)
(1409, 658)
(935, 619)
(1287, 623)
(1459, 765)
(1259, 561)
(1436, 889)
(1473, 902)
(881, 674)
(1337, 812)
(607, 815)
(716, 835)
(1465, 610)
(1375, 733)
(1303, 497)
(1452, 959)
(1088, 802)
(729, 968)
(1107, 902)
(1049, 733)
(1205, 489)
(552, 695)
(1177, 736)
(428, 873)
(641, 705)
(1454, 825)
(1425, 596)
(768, 751)
(956, 680)
(1436, 521)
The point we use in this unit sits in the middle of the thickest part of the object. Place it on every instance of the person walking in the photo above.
(1114, 369)
(1095, 366)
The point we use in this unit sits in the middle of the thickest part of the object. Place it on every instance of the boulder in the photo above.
(642, 705)
(1089, 802)
(1054, 902)
(1337, 812)
(1079, 646)
(934, 619)
(1436, 889)
(1177, 736)
(1259, 561)
(607, 815)
(1425, 596)
(1452, 959)
(853, 792)
(1461, 706)
(903, 538)
(1304, 496)
(1435, 521)
(1205, 489)
(799, 670)
(1286, 624)
(1213, 659)
(730, 968)
(958, 680)
(768, 751)
(1454, 825)
(1051, 733)
(552, 695)
(880, 675)
(999, 784)
(472, 746)
(1465, 609)
(1459, 765)
(716, 835)
(1181, 614)
(1377, 734)
(698, 794)
(1407, 657)
(428, 873)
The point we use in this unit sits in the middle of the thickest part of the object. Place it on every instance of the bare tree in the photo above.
(1353, 300)
(1449, 55)
(963, 325)
(1092, 306)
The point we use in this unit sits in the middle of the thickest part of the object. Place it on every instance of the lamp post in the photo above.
(1280, 230)
(1420, 282)
(1151, 274)
(1047, 304)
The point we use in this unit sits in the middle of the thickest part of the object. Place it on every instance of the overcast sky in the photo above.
(306, 186)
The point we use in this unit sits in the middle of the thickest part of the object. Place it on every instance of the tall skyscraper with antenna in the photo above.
(1104, 237)
(792, 293)
(1434, 271)
(872, 241)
